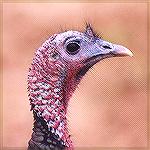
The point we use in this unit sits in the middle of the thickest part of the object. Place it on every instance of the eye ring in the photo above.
(73, 48)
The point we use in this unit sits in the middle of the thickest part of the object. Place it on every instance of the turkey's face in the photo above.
(80, 51)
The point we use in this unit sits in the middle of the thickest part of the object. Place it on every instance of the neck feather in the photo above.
(48, 100)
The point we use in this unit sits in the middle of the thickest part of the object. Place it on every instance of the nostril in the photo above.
(106, 47)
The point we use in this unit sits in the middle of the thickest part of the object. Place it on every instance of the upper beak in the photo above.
(119, 50)
(107, 50)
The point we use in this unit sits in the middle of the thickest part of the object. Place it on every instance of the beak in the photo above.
(119, 50)
(102, 50)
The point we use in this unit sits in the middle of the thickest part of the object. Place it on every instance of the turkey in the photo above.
(57, 68)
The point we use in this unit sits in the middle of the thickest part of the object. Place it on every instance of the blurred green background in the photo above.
(109, 109)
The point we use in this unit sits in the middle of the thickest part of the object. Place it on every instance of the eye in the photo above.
(73, 48)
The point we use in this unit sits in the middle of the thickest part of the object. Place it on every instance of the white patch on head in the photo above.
(39, 98)
(56, 90)
(34, 79)
(62, 36)
(59, 133)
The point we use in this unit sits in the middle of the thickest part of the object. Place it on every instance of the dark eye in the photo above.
(73, 48)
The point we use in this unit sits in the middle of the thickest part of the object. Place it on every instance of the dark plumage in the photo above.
(57, 68)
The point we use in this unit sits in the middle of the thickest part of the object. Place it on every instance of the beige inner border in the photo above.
(75, 1)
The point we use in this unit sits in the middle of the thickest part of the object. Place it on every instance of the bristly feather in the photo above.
(89, 27)
(63, 28)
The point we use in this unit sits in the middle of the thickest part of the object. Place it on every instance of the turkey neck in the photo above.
(42, 138)
(49, 102)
